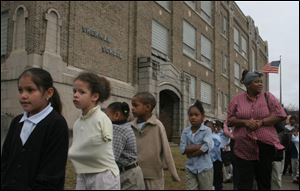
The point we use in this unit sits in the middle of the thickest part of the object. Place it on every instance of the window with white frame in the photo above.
(4, 26)
(206, 95)
(224, 63)
(236, 73)
(192, 90)
(220, 99)
(240, 42)
(206, 10)
(164, 4)
(160, 38)
(206, 51)
(224, 102)
(244, 46)
(189, 39)
(52, 43)
(236, 38)
(253, 64)
(224, 26)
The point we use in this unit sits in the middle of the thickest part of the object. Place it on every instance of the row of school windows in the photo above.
(4, 24)
(205, 7)
(202, 7)
(160, 38)
(206, 95)
(160, 46)
(160, 42)
(19, 31)
(160, 34)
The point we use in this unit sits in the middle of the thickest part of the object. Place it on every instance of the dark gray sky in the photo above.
(278, 23)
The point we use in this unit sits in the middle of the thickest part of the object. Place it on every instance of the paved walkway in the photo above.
(287, 184)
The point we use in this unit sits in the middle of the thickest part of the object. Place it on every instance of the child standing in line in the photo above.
(219, 141)
(152, 142)
(92, 151)
(196, 142)
(35, 150)
(125, 149)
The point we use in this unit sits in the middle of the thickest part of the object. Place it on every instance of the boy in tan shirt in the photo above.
(152, 143)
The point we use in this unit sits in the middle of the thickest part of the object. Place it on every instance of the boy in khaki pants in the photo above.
(152, 143)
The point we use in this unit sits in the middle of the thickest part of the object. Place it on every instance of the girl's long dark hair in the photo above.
(43, 80)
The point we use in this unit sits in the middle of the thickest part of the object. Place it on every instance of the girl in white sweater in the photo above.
(92, 151)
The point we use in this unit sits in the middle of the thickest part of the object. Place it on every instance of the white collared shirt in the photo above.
(31, 122)
(289, 127)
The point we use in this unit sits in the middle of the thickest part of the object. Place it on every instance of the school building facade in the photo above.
(179, 51)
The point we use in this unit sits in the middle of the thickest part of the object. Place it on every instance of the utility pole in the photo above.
(280, 82)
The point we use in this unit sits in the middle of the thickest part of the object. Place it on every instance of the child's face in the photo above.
(139, 109)
(31, 98)
(292, 121)
(219, 129)
(82, 96)
(195, 117)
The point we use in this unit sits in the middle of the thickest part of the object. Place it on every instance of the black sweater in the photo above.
(41, 162)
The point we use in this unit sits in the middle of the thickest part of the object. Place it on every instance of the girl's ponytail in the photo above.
(55, 101)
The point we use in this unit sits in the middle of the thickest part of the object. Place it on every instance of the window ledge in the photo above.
(225, 76)
(244, 57)
(197, 13)
(159, 55)
(224, 36)
(198, 61)
(166, 9)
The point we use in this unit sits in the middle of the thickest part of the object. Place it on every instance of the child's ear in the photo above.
(149, 107)
(117, 115)
(49, 93)
(95, 97)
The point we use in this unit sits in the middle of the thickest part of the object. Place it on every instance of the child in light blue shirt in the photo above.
(196, 142)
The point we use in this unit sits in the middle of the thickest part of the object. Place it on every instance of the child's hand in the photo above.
(195, 153)
(192, 148)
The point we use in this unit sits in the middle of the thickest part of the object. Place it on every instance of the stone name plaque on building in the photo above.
(107, 50)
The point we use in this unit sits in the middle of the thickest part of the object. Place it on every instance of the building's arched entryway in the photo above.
(169, 113)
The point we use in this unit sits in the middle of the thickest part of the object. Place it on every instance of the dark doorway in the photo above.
(169, 113)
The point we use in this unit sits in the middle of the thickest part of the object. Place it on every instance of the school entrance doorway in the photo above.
(169, 114)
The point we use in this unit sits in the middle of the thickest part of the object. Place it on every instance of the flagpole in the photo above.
(280, 82)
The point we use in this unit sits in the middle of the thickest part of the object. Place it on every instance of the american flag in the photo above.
(271, 67)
